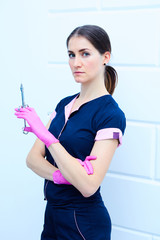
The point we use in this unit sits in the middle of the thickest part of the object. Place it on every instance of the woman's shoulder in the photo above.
(110, 114)
(110, 105)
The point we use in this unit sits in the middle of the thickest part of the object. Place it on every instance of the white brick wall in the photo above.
(157, 160)
(131, 189)
(139, 162)
(33, 51)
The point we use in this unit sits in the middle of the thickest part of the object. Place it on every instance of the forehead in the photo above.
(77, 43)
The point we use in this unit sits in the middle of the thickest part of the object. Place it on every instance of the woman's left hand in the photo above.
(35, 125)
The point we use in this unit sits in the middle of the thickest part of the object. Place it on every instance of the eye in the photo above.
(85, 54)
(71, 55)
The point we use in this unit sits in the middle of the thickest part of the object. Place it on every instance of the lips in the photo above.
(77, 72)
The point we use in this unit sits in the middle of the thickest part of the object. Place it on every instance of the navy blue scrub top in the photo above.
(98, 119)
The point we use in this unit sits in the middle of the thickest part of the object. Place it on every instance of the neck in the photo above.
(92, 90)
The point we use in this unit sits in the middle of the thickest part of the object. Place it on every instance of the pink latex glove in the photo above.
(87, 165)
(35, 125)
(59, 179)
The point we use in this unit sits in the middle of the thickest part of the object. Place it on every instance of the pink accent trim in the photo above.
(109, 133)
(68, 108)
(53, 114)
(77, 226)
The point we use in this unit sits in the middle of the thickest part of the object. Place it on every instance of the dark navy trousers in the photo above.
(76, 222)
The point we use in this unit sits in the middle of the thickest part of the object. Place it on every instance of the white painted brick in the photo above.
(131, 3)
(138, 93)
(71, 5)
(156, 238)
(125, 234)
(158, 154)
(133, 203)
(132, 34)
(136, 156)
(61, 82)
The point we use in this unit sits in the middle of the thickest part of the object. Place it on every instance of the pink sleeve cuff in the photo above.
(109, 133)
(53, 114)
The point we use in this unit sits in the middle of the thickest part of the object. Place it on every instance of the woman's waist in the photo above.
(65, 194)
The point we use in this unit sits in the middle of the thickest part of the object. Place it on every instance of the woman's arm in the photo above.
(70, 168)
(74, 173)
(36, 160)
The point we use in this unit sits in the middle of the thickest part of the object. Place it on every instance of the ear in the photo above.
(107, 56)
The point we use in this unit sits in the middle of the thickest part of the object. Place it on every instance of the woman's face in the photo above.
(86, 63)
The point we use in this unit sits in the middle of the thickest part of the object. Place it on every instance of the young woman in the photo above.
(74, 151)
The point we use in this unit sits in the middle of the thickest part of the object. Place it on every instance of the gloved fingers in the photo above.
(80, 161)
(25, 109)
(26, 113)
(21, 109)
(30, 109)
(90, 158)
(59, 179)
(17, 109)
(27, 129)
(24, 116)
(88, 167)
(21, 115)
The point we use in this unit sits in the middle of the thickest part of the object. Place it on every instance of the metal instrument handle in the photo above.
(23, 105)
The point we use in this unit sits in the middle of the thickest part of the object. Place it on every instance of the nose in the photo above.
(77, 62)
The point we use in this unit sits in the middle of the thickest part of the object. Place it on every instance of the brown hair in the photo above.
(100, 40)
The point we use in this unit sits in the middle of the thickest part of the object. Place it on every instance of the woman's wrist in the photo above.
(50, 139)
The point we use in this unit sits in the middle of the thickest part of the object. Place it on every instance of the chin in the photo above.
(79, 80)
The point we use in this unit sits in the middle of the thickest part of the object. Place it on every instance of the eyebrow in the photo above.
(81, 50)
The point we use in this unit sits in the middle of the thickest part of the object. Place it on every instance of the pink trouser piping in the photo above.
(77, 226)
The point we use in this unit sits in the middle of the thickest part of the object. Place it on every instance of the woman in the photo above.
(74, 154)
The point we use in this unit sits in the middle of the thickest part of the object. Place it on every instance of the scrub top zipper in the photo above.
(67, 113)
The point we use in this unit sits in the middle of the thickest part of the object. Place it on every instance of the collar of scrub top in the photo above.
(68, 108)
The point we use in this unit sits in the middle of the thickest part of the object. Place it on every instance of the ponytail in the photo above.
(98, 37)
(111, 79)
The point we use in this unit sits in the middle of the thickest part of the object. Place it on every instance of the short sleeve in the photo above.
(111, 125)
(53, 114)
